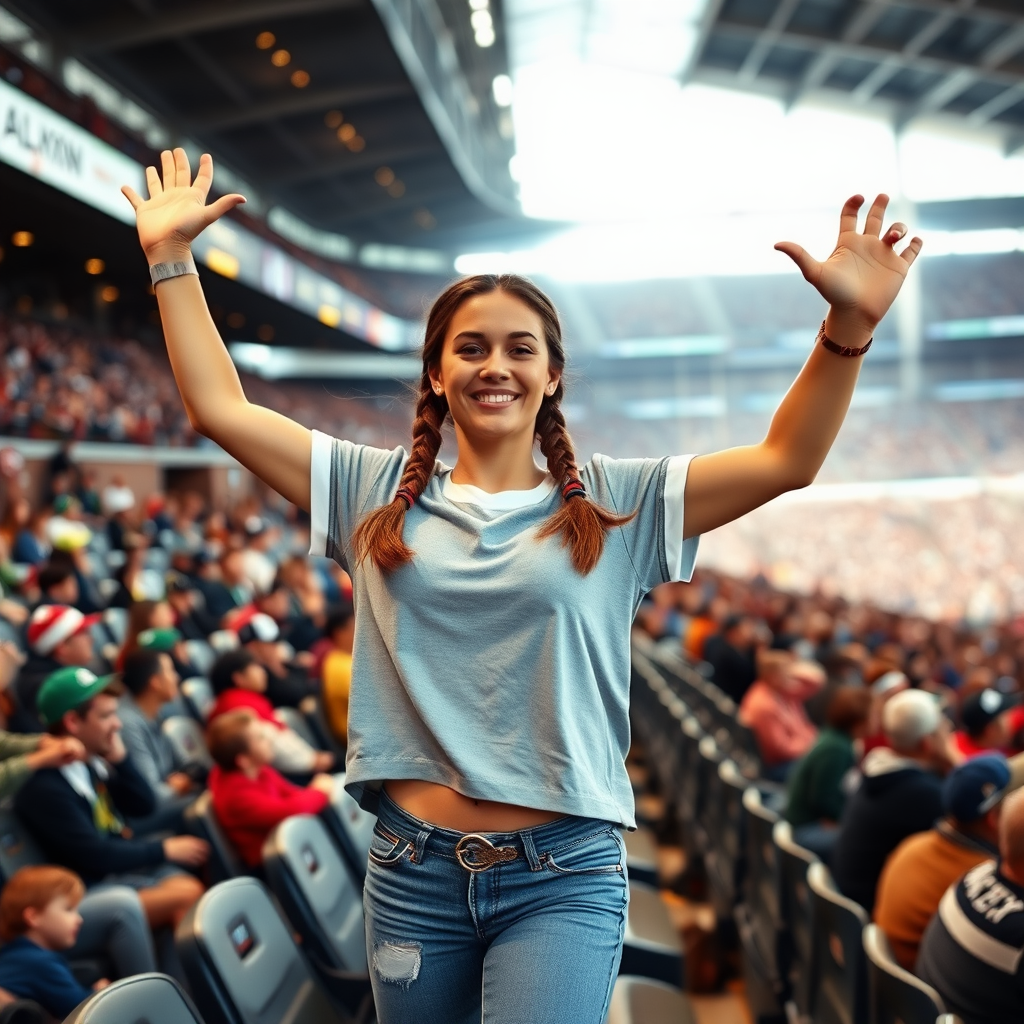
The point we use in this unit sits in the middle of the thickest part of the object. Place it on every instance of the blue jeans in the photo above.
(535, 938)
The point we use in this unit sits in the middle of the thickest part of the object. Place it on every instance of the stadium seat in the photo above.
(186, 736)
(688, 799)
(322, 900)
(24, 1011)
(761, 886)
(140, 999)
(652, 947)
(201, 820)
(201, 655)
(641, 856)
(242, 964)
(296, 721)
(223, 640)
(198, 697)
(316, 718)
(839, 987)
(757, 917)
(350, 826)
(726, 857)
(708, 808)
(116, 621)
(896, 995)
(795, 912)
(642, 1001)
(17, 847)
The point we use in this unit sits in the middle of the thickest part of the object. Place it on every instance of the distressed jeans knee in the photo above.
(397, 963)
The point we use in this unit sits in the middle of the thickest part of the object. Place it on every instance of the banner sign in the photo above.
(40, 142)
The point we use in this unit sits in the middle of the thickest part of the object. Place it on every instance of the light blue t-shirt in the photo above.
(488, 664)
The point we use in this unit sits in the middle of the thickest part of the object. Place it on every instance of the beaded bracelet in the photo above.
(840, 350)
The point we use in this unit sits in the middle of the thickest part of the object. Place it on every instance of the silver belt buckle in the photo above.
(483, 852)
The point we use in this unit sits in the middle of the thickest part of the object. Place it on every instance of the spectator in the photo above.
(77, 814)
(167, 640)
(58, 583)
(971, 950)
(151, 680)
(817, 792)
(731, 653)
(240, 681)
(336, 671)
(883, 689)
(259, 569)
(58, 636)
(39, 920)
(249, 796)
(190, 619)
(773, 709)
(288, 682)
(32, 543)
(900, 793)
(985, 716)
(142, 616)
(924, 866)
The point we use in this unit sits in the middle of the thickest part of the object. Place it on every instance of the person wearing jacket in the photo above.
(249, 797)
(900, 793)
(77, 813)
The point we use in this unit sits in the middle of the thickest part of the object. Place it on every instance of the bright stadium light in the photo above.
(502, 89)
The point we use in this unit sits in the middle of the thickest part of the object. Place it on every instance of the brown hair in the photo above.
(581, 522)
(227, 737)
(33, 888)
(848, 707)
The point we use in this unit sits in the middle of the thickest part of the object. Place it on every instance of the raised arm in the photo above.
(274, 447)
(859, 280)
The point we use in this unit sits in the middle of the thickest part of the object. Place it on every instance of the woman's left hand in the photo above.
(864, 274)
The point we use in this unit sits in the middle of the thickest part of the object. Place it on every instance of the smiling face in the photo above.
(495, 369)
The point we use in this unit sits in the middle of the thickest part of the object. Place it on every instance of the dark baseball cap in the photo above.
(984, 707)
(973, 788)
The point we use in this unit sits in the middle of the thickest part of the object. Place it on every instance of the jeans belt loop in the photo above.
(420, 845)
(530, 851)
(477, 853)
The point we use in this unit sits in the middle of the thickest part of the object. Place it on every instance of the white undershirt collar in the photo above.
(502, 501)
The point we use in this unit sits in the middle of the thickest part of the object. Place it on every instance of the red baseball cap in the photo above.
(52, 624)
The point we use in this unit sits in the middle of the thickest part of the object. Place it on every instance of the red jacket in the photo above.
(248, 809)
(231, 700)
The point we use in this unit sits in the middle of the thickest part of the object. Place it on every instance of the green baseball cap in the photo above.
(67, 689)
(158, 639)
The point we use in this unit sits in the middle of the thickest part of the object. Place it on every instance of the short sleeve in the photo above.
(346, 481)
(653, 489)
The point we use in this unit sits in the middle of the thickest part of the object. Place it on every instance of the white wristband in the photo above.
(165, 271)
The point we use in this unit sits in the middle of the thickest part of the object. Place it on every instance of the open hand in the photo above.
(176, 210)
(864, 274)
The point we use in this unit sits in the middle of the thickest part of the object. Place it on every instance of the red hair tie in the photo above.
(572, 489)
(405, 493)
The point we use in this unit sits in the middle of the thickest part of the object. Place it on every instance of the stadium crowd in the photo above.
(111, 598)
(897, 744)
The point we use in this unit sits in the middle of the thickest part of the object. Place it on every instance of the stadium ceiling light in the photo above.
(479, 5)
(110, 293)
(300, 79)
(481, 20)
(334, 119)
(265, 40)
(485, 38)
(384, 176)
(95, 266)
(280, 58)
(502, 89)
(347, 132)
(22, 239)
(396, 189)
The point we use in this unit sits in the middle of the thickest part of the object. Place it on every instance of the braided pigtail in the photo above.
(581, 522)
(379, 535)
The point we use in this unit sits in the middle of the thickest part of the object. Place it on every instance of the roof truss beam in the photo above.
(197, 18)
(229, 118)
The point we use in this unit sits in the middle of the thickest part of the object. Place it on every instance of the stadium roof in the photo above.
(365, 118)
(957, 57)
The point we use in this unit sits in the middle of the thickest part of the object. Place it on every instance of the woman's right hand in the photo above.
(176, 210)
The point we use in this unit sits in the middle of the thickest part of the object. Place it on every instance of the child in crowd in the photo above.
(336, 670)
(249, 797)
(39, 919)
(240, 681)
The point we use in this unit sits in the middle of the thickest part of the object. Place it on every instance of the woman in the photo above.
(488, 722)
